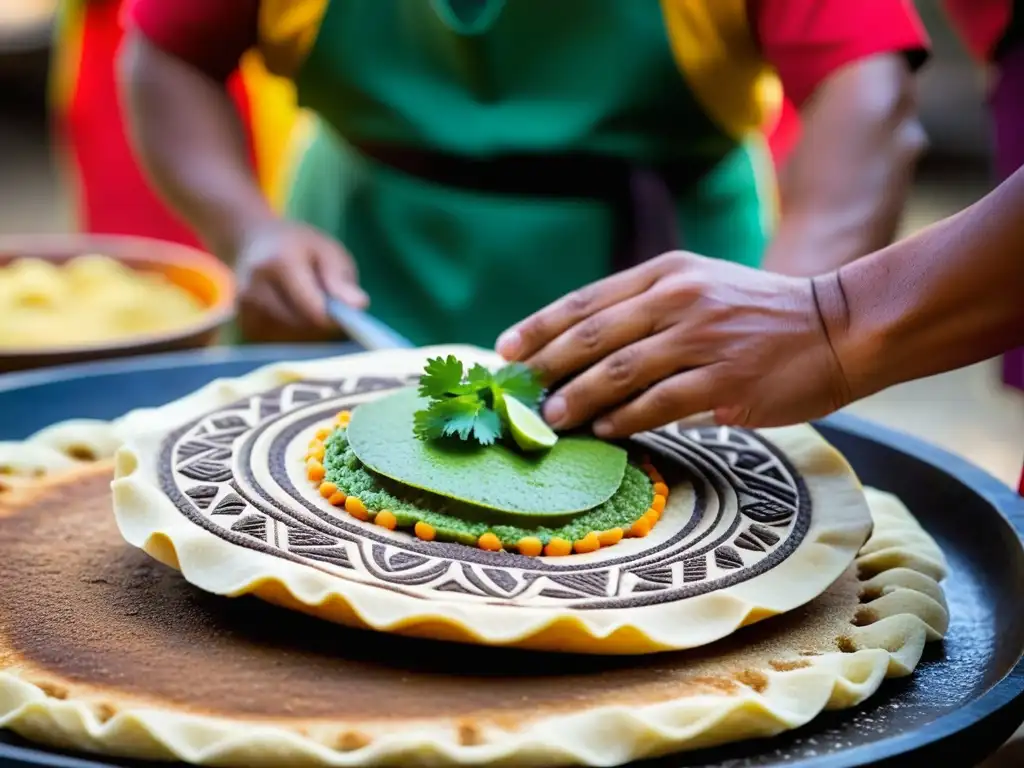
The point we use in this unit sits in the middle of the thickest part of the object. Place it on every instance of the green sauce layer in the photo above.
(465, 523)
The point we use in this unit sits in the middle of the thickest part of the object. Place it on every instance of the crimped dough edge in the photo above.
(901, 567)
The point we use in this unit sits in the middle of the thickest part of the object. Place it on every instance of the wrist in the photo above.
(855, 347)
(233, 232)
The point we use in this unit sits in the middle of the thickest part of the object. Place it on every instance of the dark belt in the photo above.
(642, 197)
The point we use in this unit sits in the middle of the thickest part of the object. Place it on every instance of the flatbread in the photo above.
(214, 484)
(102, 649)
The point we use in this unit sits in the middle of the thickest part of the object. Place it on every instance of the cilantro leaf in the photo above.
(478, 378)
(441, 376)
(487, 427)
(458, 417)
(521, 383)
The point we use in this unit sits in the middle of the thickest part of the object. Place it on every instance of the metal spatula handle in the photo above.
(369, 332)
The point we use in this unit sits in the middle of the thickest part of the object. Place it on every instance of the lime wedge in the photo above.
(529, 430)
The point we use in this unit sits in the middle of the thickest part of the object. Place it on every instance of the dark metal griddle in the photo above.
(965, 700)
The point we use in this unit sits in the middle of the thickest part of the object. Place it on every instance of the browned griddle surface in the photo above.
(92, 617)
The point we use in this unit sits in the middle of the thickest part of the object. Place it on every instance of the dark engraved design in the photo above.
(252, 525)
(767, 511)
(300, 537)
(331, 555)
(747, 497)
(658, 575)
(747, 541)
(695, 569)
(192, 449)
(203, 495)
(501, 579)
(646, 586)
(727, 557)
(590, 583)
(227, 437)
(207, 471)
(232, 504)
(767, 535)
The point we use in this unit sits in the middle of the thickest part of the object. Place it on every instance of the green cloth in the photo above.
(478, 78)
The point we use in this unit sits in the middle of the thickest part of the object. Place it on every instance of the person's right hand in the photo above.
(285, 272)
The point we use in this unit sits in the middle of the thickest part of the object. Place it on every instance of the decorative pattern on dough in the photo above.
(228, 472)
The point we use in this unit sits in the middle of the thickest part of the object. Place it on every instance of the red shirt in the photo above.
(805, 40)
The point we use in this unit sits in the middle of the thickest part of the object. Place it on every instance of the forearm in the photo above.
(190, 141)
(844, 188)
(949, 296)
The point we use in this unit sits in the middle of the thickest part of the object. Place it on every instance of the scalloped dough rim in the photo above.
(890, 645)
(148, 520)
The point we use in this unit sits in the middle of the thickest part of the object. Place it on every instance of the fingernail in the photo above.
(555, 410)
(509, 344)
(602, 428)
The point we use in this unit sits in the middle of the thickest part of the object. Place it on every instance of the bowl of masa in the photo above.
(74, 298)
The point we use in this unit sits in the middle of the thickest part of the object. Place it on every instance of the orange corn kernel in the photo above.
(589, 543)
(530, 546)
(658, 503)
(660, 489)
(489, 541)
(424, 531)
(386, 519)
(337, 499)
(610, 537)
(641, 527)
(558, 548)
(317, 453)
(315, 470)
(323, 434)
(328, 489)
(356, 508)
(344, 417)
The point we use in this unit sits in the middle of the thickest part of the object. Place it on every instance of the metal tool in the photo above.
(369, 332)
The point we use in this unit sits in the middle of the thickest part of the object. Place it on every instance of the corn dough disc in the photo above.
(215, 484)
(104, 649)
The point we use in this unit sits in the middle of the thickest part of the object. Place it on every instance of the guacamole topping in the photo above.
(633, 509)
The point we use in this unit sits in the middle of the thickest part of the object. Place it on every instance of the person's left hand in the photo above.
(682, 335)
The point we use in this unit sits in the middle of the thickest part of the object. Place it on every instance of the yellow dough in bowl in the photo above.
(91, 299)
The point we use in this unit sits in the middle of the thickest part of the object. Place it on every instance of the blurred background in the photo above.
(970, 412)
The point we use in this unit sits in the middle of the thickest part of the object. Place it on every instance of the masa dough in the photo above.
(757, 524)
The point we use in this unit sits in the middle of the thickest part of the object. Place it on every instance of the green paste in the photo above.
(465, 523)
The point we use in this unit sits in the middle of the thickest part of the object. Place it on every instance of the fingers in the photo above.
(672, 399)
(617, 377)
(528, 337)
(594, 338)
(337, 273)
(297, 279)
(263, 315)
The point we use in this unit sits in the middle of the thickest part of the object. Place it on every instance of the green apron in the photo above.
(480, 79)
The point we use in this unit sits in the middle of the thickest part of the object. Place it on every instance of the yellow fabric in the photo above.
(287, 31)
(66, 53)
(716, 52)
(274, 114)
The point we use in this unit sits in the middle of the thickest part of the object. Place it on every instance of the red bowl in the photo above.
(199, 273)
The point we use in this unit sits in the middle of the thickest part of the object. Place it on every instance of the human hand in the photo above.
(286, 270)
(681, 335)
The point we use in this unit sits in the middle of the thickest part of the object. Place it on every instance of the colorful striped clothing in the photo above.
(448, 159)
(112, 195)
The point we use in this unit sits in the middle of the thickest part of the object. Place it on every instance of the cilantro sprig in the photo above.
(468, 405)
